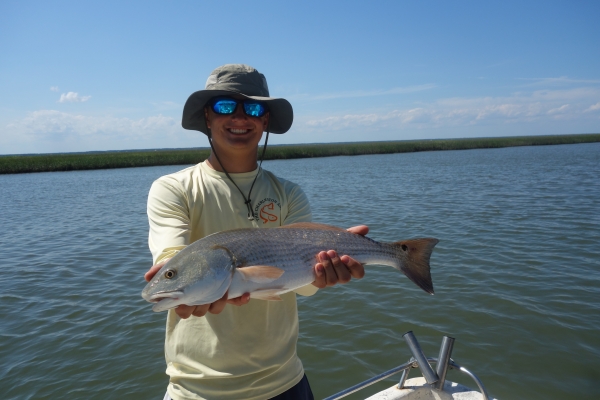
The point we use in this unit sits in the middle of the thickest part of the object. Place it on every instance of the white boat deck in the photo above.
(418, 389)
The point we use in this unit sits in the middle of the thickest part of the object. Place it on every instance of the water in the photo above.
(516, 274)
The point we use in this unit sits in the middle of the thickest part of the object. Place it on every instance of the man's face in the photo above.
(237, 130)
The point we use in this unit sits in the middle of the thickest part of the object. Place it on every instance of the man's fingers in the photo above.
(184, 311)
(154, 269)
(342, 274)
(359, 230)
(240, 301)
(320, 279)
(218, 306)
(330, 274)
(334, 269)
(357, 270)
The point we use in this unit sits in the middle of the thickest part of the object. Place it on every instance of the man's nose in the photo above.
(239, 112)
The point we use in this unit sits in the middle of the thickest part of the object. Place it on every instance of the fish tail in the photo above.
(414, 255)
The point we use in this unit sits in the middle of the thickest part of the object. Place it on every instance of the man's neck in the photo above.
(241, 165)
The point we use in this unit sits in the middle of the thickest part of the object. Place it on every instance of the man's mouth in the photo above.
(238, 131)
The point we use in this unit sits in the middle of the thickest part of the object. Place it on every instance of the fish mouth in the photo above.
(165, 300)
(155, 298)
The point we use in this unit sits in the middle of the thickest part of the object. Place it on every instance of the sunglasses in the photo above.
(227, 106)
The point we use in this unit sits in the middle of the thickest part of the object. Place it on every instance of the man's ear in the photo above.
(265, 122)
(206, 118)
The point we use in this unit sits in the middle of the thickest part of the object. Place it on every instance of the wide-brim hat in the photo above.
(236, 79)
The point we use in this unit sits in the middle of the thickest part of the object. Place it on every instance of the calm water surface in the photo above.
(516, 274)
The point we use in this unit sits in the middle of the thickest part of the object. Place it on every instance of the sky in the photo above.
(114, 75)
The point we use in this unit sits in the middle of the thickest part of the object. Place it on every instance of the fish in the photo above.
(269, 262)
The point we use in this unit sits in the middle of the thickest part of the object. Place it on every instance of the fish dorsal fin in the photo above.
(260, 273)
(312, 225)
(266, 294)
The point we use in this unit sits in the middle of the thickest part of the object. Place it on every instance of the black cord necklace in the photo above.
(247, 201)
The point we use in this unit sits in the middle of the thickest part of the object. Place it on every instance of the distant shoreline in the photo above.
(15, 164)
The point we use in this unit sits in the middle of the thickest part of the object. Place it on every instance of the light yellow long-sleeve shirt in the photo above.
(246, 352)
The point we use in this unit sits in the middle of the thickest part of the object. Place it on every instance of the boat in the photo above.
(432, 385)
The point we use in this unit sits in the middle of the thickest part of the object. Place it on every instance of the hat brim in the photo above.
(281, 114)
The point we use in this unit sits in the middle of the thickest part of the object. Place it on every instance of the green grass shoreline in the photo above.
(14, 164)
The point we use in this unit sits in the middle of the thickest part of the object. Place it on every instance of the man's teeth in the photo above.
(238, 130)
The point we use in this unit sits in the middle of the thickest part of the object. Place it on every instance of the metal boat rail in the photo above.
(435, 379)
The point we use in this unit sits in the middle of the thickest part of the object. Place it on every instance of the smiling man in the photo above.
(234, 348)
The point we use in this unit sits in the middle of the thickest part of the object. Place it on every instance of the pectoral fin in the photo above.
(260, 273)
(266, 294)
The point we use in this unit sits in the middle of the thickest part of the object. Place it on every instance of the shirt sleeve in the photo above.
(298, 207)
(169, 219)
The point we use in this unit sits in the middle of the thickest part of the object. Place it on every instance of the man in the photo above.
(219, 351)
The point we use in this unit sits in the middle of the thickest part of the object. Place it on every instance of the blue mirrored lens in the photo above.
(254, 109)
(224, 106)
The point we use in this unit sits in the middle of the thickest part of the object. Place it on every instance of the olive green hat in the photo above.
(238, 79)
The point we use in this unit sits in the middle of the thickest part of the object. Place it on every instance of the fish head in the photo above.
(191, 278)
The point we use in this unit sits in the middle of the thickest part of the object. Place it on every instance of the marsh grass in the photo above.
(99, 160)
(144, 158)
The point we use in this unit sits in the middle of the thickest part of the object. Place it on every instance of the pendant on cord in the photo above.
(250, 212)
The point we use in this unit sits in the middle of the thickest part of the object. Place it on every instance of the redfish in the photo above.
(269, 262)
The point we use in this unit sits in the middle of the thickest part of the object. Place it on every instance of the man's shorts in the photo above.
(301, 391)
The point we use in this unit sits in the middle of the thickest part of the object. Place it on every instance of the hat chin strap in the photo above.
(248, 200)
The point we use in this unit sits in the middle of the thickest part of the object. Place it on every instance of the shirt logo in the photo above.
(267, 211)
(265, 215)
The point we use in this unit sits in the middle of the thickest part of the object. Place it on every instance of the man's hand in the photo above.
(332, 269)
(214, 308)
(199, 311)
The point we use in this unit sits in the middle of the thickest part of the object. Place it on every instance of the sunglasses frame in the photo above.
(213, 102)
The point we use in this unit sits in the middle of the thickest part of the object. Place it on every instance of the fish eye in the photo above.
(170, 274)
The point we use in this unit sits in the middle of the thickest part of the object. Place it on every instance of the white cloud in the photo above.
(54, 88)
(48, 131)
(72, 97)
(52, 123)
(371, 93)
(594, 107)
(360, 93)
(559, 110)
(561, 80)
(521, 107)
(569, 110)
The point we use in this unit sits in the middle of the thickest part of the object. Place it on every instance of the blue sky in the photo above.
(113, 75)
